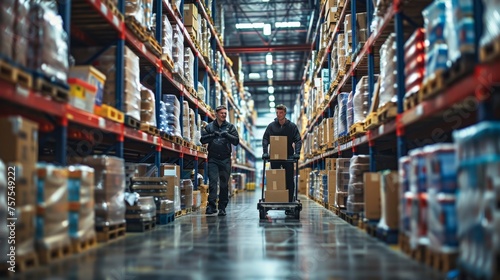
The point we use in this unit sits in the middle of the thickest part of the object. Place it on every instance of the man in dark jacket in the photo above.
(283, 127)
(219, 135)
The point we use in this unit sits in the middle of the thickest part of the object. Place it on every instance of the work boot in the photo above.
(210, 211)
(222, 212)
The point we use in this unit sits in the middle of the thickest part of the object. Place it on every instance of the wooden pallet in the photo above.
(443, 262)
(434, 85)
(132, 122)
(178, 214)
(111, 6)
(411, 101)
(357, 129)
(165, 218)
(44, 86)
(46, 256)
(108, 233)
(186, 211)
(153, 45)
(192, 91)
(140, 226)
(14, 75)
(417, 253)
(111, 113)
(463, 66)
(388, 112)
(490, 51)
(135, 26)
(80, 245)
(150, 129)
(371, 121)
(167, 61)
(23, 263)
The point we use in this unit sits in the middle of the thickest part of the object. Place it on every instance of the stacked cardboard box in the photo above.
(275, 186)
(342, 182)
(358, 166)
(186, 193)
(81, 202)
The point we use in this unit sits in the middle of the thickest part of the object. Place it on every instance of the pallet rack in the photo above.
(460, 101)
(66, 131)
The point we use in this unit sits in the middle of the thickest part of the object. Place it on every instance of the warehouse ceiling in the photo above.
(288, 46)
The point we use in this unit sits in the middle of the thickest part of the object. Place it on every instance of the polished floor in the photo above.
(240, 246)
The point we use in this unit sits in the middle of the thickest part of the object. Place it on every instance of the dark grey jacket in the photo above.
(219, 139)
(289, 129)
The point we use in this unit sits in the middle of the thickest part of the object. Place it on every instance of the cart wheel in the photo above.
(297, 214)
(262, 214)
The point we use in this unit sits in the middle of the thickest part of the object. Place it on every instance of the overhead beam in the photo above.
(275, 83)
(266, 49)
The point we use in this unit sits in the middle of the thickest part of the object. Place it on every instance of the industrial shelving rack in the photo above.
(66, 131)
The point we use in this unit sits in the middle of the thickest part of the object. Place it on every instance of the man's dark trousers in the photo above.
(288, 166)
(219, 171)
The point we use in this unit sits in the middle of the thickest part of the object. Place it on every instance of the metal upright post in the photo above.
(401, 144)
(371, 83)
(120, 77)
(485, 109)
(159, 77)
(61, 141)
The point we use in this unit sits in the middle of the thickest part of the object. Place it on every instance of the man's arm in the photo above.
(297, 139)
(265, 141)
(206, 137)
(232, 136)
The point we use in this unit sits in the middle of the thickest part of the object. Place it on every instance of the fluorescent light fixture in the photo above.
(272, 104)
(270, 73)
(254, 76)
(249, 25)
(271, 97)
(265, 0)
(270, 89)
(287, 24)
(267, 29)
(270, 82)
(269, 59)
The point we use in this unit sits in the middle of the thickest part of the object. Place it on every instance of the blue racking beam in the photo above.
(158, 89)
(120, 73)
(398, 19)
(371, 81)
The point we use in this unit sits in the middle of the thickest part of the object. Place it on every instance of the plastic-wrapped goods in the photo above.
(441, 168)
(48, 48)
(178, 49)
(342, 101)
(186, 131)
(388, 67)
(404, 190)
(360, 103)
(186, 193)
(336, 122)
(140, 208)
(165, 207)
(52, 207)
(7, 18)
(341, 53)
(173, 104)
(147, 6)
(109, 178)
(357, 167)
(459, 32)
(192, 125)
(189, 66)
(491, 20)
(172, 107)
(442, 222)
(414, 61)
(148, 106)
(134, 8)
(349, 111)
(201, 92)
(81, 201)
(435, 24)
(418, 174)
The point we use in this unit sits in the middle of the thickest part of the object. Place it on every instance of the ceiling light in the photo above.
(254, 76)
(267, 29)
(265, 0)
(270, 73)
(272, 104)
(270, 82)
(286, 24)
(271, 97)
(249, 25)
(269, 59)
(270, 89)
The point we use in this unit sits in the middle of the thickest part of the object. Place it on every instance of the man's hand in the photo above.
(296, 156)
(265, 156)
(217, 133)
(224, 134)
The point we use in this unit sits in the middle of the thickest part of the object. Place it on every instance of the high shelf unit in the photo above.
(462, 95)
(67, 132)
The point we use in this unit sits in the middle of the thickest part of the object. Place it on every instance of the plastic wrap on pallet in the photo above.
(442, 222)
(148, 106)
(201, 92)
(22, 25)
(415, 61)
(342, 100)
(491, 22)
(388, 85)
(441, 168)
(48, 48)
(186, 131)
(146, 207)
(360, 101)
(178, 49)
(7, 18)
(336, 122)
(134, 8)
(172, 106)
(81, 200)
(349, 111)
(52, 206)
(389, 217)
(147, 6)
(436, 26)
(404, 187)
(189, 66)
(25, 233)
(358, 165)
(109, 178)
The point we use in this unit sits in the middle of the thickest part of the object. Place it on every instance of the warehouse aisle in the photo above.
(239, 246)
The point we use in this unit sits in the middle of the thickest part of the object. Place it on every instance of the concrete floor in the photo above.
(240, 246)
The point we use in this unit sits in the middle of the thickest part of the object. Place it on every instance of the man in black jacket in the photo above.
(283, 127)
(219, 135)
